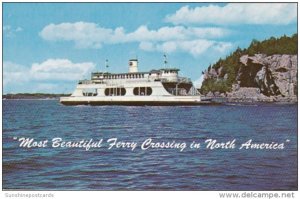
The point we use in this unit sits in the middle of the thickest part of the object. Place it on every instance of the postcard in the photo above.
(150, 96)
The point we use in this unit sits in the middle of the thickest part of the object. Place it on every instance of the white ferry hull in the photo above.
(135, 101)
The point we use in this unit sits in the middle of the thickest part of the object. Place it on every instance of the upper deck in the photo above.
(163, 75)
(171, 72)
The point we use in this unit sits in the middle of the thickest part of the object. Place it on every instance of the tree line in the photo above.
(231, 64)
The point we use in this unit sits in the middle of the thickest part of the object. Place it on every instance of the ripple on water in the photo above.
(153, 169)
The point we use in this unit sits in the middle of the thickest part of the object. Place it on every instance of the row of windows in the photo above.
(142, 91)
(115, 91)
(122, 91)
(173, 72)
(89, 94)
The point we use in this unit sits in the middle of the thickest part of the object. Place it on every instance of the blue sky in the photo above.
(48, 47)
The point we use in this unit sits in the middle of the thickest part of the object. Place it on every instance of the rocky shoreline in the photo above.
(253, 100)
(249, 95)
(260, 78)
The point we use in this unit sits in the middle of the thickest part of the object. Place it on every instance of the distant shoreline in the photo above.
(32, 99)
(31, 96)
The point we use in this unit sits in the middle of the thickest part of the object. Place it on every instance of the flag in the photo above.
(106, 63)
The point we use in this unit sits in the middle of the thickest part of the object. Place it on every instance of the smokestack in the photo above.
(133, 66)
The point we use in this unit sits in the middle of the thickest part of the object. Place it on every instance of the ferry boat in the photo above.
(156, 87)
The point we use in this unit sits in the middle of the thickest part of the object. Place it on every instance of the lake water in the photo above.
(152, 169)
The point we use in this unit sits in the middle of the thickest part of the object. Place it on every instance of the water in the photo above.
(156, 169)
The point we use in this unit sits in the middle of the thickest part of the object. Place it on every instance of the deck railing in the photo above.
(179, 80)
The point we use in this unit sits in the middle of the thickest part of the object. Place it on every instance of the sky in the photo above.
(48, 47)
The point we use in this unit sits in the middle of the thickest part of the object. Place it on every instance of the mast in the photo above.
(106, 64)
(165, 60)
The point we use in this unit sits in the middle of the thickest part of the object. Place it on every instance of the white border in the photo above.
(136, 194)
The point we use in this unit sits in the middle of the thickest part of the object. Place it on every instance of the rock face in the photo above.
(263, 78)
(273, 75)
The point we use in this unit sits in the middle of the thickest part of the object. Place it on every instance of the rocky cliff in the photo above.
(260, 78)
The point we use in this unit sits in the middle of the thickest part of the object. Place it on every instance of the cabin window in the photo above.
(142, 91)
(148, 90)
(89, 92)
(115, 91)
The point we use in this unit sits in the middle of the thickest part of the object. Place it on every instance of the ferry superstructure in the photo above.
(156, 87)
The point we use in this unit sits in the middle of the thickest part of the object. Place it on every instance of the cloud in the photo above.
(14, 73)
(60, 69)
(46, 76)
(91, 35)
(166, 39)
(174, 33)
(237, 13)
(19, 29)
(147, 46)
(84, 34)
(6, 28)
(194, 47)
(9, 31)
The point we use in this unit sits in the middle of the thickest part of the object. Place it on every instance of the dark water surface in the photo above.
(153, 169)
